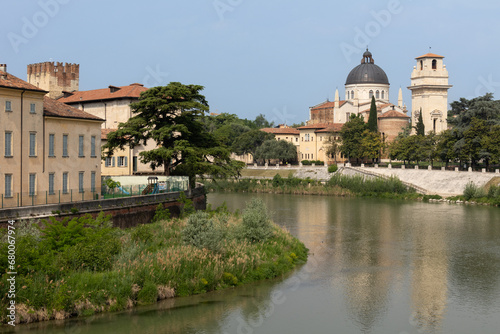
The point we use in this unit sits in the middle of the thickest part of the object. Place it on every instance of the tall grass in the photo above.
(361, 185)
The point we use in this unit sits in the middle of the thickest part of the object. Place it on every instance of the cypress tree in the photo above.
(420, 125)
(372, 119)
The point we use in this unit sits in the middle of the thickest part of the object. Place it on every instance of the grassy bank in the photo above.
(85, 266)
(338, 185)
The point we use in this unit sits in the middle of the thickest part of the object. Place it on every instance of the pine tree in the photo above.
(372, 119)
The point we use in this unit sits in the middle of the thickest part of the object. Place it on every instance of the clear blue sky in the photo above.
(275, 57)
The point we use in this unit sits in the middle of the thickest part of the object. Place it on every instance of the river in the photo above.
(375, 266)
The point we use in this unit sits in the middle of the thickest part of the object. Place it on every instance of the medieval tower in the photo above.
(429, 92)
(55, 78)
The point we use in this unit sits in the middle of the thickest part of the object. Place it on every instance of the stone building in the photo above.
(429, 92)
(55, 78)
(51, 151)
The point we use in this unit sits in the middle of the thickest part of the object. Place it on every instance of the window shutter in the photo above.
(113, 162)
(125, 162)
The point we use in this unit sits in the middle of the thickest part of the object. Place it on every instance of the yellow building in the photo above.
(51, 151)
(314, 140)
(113, 104)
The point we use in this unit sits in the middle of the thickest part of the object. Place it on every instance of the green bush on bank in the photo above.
(110, 269)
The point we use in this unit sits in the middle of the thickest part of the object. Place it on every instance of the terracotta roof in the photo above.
(379, 107)
(327, 104)
(104, 133)
(335, 127)
(315, 126)
(393, 114)
(281, 131)
(131, 91)
(55, 108)
(10, 81)
(430, 55)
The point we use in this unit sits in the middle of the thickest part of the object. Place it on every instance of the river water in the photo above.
(375, 266)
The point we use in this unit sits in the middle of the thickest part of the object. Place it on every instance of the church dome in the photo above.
(367, 72)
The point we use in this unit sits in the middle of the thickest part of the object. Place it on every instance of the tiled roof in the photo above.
(327, 104)
(10, 81)
(393, 114)
(104, 133)
(281, 131)
(379, 107)
(131, 91)
(430, 55)
(55, 108)
(335, 127)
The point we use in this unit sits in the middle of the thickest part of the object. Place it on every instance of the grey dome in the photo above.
(367, 72)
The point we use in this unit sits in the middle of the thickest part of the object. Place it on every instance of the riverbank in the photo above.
(85, 266)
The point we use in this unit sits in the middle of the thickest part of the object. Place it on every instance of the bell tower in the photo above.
(429, 92)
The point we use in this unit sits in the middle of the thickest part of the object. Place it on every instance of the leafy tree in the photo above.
(332, 146)
(420, 127)
(491, 144)
(463, 105)
(351, 134)
(261, 122)
(249, 141)
(372, 119)
(371, 144)
(471, 144)
(171, 116)
(277, 149)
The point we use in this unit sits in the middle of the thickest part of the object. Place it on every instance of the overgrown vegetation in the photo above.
(338, 185)
(84, 266)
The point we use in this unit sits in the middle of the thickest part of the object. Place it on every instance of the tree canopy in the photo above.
(372, 119)
(277, 149)
(171, 116)
(352, 134)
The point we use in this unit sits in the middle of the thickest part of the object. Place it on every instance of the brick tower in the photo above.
(54, 77)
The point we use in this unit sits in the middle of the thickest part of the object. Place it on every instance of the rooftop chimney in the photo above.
(3, 67)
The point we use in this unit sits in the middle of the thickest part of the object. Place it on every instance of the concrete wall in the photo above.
(125, 212)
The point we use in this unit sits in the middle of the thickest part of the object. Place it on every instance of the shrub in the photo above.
(161, 214)
(278, 181)
(332, 168)
(201, 232)
(256, 225)
(187, 206)
(142, 233)
(473, 191)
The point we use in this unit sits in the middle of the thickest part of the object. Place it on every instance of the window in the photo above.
(65, 183)
(421, 65)
(352, 94)
(371, 94)
(80, 146)
(434, 64)
(8, 185)
(32, 184)
(8, 144)
(377, 94)
(92, 181)
(382, 95)
(51, 145)
(51, 184)
(107, 162)
(348, 96)
(32, 108)
(92, 147)
(8, 106)
(122, 162)
(296, 139)
(347, 116)
(65, 146)
(113, 162)
(80, 182)
(32, 144)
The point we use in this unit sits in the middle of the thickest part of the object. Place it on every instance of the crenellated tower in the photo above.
(55, 77)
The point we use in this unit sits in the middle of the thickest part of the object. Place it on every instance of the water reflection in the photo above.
(375, 267)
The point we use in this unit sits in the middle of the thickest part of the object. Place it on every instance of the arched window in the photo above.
(421, 65)
(352, 94)
(370, 94)
(383, 95)
(434, 64)
(377, 94)
(434, 125)
(348, 96)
